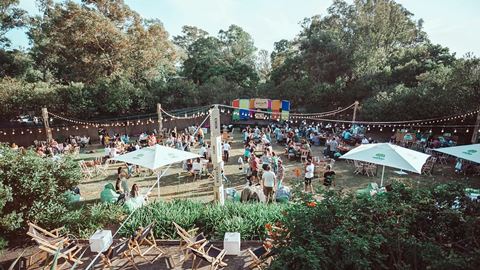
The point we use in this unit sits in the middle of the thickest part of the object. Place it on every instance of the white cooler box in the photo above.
(231, 243)
(101, 240)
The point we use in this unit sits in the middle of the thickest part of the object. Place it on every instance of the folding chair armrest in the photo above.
(204, 242)
(57, 230)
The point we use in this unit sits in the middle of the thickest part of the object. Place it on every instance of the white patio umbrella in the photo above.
(390, 155)
(468, 152)
(154, 157)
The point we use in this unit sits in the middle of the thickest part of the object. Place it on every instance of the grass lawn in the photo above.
(177, 186)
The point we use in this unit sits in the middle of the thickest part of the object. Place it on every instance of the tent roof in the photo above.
(154, 157)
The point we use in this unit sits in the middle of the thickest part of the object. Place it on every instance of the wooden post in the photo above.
(476, 128)
(216, 146)
(160, 119)
(355, 112)
(46, 124)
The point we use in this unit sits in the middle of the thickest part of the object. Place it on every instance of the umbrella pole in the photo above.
(383, 172)
(158, 184)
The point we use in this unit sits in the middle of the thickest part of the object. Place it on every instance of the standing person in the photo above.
(254, 166)
(309, 171)
(328, 176)
(333, 147)
(268, 183)
(200, 135)
(280, 173)
(226, 150)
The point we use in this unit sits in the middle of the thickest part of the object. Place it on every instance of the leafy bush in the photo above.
(31, 188)
(83, 222)
(212, 219)
(408, 228)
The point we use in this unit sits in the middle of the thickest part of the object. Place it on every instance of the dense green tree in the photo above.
(98, 39)
(10, 17)
(263, 65)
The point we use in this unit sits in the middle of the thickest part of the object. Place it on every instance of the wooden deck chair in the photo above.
(189, 238)
(144, 238)
(370, 169)
(428, 166)
(51, 243)
(304, 155)
(258, 256)
(40, 236)
(358, 167)
(442, 159)
(120, 250)
(86, 171)
(100, 167)
(212, 255)
(69, 252)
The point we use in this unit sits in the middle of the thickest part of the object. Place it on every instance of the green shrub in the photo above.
(431, 228)
(83, 222)
(212, 219)
(31, 188)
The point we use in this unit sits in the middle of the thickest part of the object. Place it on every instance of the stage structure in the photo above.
(260, 108)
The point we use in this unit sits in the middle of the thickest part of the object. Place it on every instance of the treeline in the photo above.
(97, 58)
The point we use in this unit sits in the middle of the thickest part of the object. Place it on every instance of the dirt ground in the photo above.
(177, 185)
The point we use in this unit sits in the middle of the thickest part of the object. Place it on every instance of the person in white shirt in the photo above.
(106, 152)
(203, 151)
(365, 140)
(113, 152)
(226, 151)
(309, 172)
(265, 140)
(268, 183)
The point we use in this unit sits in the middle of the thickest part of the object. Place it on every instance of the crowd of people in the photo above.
(264, 167)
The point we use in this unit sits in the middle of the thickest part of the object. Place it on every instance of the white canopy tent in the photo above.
(155, 157)
(390, 155)
(469, 152)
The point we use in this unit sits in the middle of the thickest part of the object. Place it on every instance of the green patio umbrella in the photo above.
(468, 152)
(390, 155)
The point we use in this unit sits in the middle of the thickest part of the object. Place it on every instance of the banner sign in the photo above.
(260, 103)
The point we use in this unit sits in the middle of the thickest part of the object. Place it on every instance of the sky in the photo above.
(451, 23)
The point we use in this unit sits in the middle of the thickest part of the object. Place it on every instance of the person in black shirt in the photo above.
(328, 177)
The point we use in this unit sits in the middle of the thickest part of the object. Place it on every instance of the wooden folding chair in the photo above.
(212, 255)
(100, 167)
(121, 250)
(144, 237)
(428, 166)
(189, 238)
(259, 257)
(86, 171)
(51, 243)
(304, 155)
(442, 159)
(358, 167)
(370, 169)
(40, 235)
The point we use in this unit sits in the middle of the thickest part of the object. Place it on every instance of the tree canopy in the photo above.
(100, 57)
